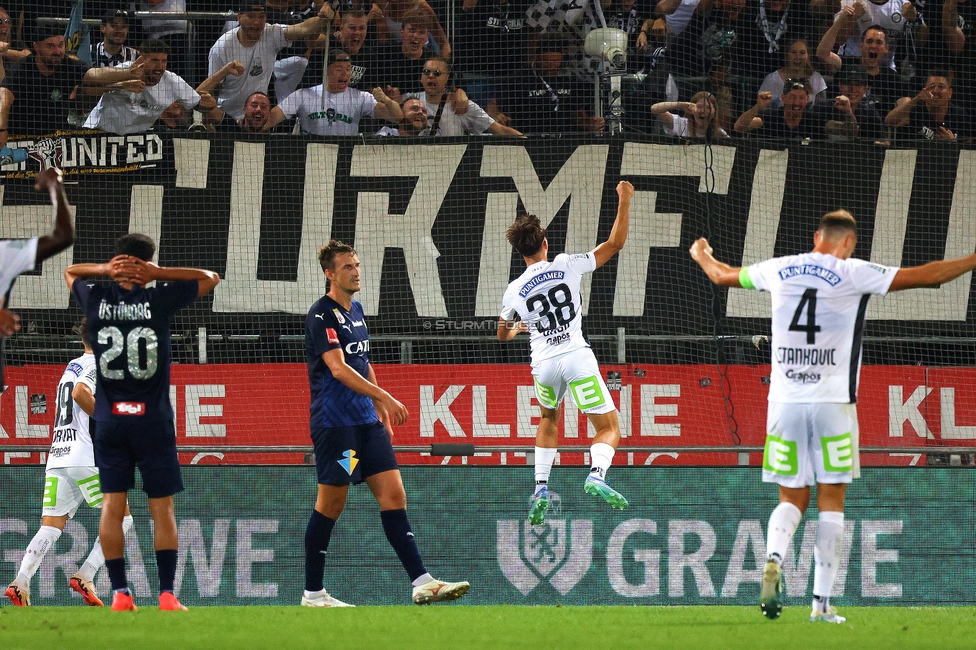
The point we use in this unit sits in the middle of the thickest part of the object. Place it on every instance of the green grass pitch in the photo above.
(505, 627)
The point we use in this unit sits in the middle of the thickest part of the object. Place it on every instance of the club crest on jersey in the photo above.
(339, 316)
(333, 337)
(349, 461)
(558, 550)
(128, 408)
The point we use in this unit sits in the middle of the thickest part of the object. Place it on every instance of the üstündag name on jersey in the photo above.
(123, 311)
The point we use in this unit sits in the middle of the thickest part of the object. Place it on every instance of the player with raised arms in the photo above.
(819, 304)
(351, 422)
(70, 479)
(129, 329)
(545, 300)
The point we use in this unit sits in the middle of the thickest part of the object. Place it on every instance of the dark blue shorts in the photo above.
(345, 455)
(150, 446)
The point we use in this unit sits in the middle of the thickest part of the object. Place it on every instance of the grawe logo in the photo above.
(559, 551)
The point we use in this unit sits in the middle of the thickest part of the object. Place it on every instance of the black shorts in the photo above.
(345, 455)
(151, 446)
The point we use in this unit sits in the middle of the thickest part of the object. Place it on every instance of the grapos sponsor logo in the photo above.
(559, 551)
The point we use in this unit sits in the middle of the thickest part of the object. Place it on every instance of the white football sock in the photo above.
(39, 546)
(782, 524)
(601, 457)
(96, 559)
(544, 458)
(422, 580)
(826, 553)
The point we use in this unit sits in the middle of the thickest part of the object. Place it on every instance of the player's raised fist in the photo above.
(700, 249)
(625, 190)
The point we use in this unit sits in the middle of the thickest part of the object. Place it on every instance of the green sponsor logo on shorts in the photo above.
(50, 492)
(779, 456)
(545, 394)
(587, 393)
(838, 452)
(92, 487)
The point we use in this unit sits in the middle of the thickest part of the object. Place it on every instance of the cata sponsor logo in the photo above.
(559, 550)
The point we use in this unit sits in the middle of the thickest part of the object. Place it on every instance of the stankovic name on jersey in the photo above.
(123, 311)
(806, 356)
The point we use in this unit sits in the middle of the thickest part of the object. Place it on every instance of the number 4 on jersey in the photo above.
(808, 300)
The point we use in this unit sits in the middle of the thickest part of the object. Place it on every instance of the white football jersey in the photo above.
(16, 256)
(71, 443)
(547, 299)
(819, 306)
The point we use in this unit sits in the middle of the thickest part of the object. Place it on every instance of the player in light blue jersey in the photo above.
(545, 301)
(819, 303)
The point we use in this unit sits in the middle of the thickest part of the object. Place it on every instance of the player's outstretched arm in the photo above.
(63, 234)
(618, 234)
(932, 274)
(718, 272)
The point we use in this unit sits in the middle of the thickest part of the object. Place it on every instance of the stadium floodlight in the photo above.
(608, 44)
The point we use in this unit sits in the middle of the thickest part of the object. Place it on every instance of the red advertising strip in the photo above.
(266, 405)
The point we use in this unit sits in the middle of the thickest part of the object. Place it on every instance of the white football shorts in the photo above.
(577, 371)
(811, 443)
(66, 488)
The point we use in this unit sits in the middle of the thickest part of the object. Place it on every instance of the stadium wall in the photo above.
(689, 537)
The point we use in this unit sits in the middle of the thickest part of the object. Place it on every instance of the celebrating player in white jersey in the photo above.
(71, 478)
(546, 299)
(819, 302)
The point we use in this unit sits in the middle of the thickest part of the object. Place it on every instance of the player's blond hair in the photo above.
(835, 225)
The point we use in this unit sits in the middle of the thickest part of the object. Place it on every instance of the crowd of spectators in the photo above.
(880, 70)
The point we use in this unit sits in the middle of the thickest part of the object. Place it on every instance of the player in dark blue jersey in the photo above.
(129, 329)
(352, 422)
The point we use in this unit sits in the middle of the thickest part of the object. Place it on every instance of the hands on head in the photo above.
(132, 270)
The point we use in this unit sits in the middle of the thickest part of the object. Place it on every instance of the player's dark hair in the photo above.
(835, 225)
(136, 245)
(327, 254)
(83, 331)
(526, 234)
(153, 46)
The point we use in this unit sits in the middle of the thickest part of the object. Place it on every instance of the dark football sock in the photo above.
(166, 563)
(116, 573)
(317, 536)
(397, 529)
